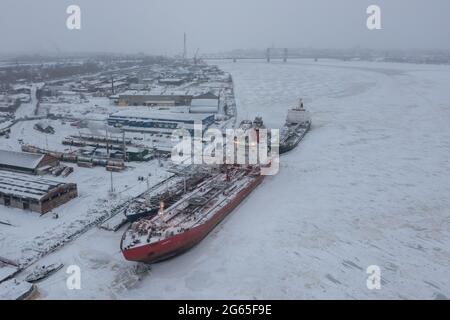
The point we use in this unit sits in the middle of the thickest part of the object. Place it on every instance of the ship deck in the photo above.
(193, 209)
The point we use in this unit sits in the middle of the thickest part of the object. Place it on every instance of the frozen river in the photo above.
(369, 185)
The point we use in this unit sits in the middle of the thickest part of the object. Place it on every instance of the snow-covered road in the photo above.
(369, 185)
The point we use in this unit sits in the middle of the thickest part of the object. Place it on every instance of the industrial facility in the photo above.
(205, 103)
(158, 122)
(34, 193)
(26, 162)
(154, 98)
(164, 97)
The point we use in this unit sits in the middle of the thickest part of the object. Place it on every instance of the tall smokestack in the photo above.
(185, 47)
(112, 85)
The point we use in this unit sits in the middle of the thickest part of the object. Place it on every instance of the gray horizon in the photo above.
(157, 26)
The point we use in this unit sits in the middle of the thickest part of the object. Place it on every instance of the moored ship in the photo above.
(148, 203)
(185, 223)
(298, 123)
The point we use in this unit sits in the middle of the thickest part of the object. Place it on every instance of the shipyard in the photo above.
(208, 151)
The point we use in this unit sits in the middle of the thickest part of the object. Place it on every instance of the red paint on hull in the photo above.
(179, 243)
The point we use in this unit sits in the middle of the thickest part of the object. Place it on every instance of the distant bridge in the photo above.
(270, 54)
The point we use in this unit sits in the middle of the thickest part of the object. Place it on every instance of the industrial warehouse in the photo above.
(158, 122)
(26, 162)
(34, 193)
(163, 97)
(155, 97)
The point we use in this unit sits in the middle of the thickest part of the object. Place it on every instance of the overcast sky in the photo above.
(157, 26)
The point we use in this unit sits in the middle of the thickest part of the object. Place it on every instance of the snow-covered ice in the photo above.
(13, 290)
(369, 185)
(6, 271)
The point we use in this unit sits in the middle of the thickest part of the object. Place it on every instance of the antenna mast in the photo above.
(185, 47)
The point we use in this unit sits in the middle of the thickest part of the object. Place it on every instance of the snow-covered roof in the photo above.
(135, 150)
(207, 95)
(19, 96)
(171, 80)
(152, 92)
(20, 159)
(158, 115)
(205, 103)
(162, 91)
(109, 85)
(206, 109)
(21, 87)
(25, 186)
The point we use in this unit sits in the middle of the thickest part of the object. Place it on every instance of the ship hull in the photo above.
(182, 242)
(288, 146)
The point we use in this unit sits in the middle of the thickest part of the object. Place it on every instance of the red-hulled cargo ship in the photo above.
(189, 220)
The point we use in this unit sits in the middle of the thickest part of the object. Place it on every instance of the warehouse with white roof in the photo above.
(33, 193)
(25, 162)
(158, 122)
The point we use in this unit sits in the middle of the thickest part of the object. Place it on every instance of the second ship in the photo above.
(298, 123)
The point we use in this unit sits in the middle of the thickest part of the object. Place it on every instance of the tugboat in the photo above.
(246, 124)
(140, 208)
(252, 127)
(298, 123)
(258, 123)
(255, 124)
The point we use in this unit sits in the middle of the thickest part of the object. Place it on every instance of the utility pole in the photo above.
(124, 146)
(185, 47)
(147, 195)
(107, 144)
(112, 85)
(112, 183)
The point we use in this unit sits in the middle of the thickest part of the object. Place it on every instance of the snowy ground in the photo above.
(369, 185)
(92, 108)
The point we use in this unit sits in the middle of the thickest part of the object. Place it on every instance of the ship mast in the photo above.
(300, 105)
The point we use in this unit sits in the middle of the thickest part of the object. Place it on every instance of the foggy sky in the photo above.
(157, 26)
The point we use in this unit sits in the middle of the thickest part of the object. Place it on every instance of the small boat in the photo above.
(256, 124)
(43, 271)
(246, 124)
(252, 130)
